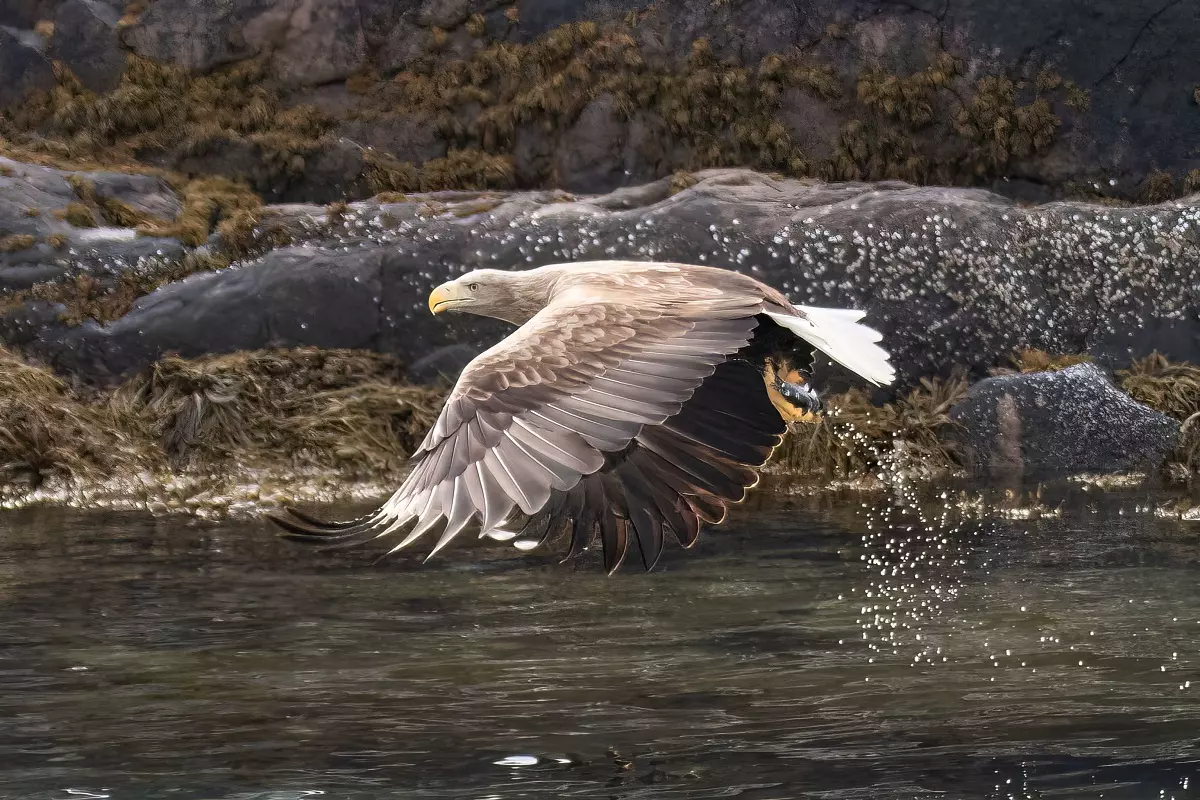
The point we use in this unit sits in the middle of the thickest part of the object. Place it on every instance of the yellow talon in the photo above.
(788, 410)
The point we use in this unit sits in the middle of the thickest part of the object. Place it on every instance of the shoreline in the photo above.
(237, 435)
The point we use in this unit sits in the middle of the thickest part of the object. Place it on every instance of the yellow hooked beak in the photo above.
(441, 295)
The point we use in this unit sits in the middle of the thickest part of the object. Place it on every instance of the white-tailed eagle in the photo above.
(636, 401)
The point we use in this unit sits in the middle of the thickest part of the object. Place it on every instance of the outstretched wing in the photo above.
(553, 402)
(672, 478)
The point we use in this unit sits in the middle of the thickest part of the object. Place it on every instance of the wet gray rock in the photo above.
(146, 193)
(953, 277)
(86, 40)
(23, 66)
(104, 253)
(327, 298)
(22, 326)
(1070, 421)
(30, 195)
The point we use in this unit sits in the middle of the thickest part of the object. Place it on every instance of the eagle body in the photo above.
(635, 402)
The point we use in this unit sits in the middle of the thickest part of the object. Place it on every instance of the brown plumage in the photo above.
(636, 401)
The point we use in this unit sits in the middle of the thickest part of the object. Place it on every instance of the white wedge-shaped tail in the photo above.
(837, 333)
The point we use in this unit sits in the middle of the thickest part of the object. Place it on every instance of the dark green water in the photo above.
(843, 651)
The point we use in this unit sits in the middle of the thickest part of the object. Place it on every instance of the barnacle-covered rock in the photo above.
(955, 278)
(1059, 422)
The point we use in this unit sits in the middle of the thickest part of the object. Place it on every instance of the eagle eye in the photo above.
(473, 286)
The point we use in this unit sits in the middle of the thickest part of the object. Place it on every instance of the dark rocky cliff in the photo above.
(316, 101)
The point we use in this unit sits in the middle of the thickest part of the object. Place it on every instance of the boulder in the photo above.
(30, 196)
(812, 123)
(307, 43)
(310, 43)
(301, 294)
(233, 158)
(195, 34)
(23, 66)
(538, 16)
(87, 41)
(444, 13)
(402, 42)
(1068, 421)
(146, 193)
(330, 174)
(380, 18)
(533, 151)
(1134, 58)
(323, 176)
